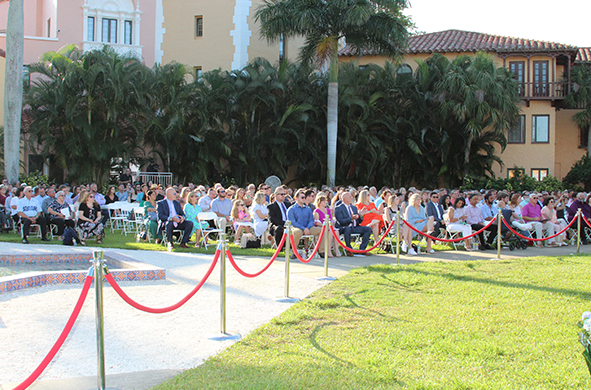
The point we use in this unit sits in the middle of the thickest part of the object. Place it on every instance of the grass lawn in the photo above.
(118, 240)
(462, 325)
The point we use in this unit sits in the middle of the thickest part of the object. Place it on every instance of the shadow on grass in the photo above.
(450, 276)
(313, 340)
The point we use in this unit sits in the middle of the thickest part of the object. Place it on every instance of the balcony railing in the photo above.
(543, 91)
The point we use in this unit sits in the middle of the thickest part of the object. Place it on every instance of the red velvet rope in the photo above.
(246, 274)
(336, 236)
(450, 240)
(60, 341)
(585, 219)
(138, 306)
(539, 239)
(294, 246)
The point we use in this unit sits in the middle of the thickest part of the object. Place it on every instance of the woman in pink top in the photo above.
(549, 213)
(320, 214)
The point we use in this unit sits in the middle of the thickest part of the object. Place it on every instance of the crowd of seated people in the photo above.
(365, 212)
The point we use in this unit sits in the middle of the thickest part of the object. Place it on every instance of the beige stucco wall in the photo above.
(567, 143)
(215, 49)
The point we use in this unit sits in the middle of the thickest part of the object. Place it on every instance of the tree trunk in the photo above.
(589, 141)
(332, 118)
(13, 89)
(467, 157)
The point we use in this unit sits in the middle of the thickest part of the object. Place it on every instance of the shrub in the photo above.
(580, 173)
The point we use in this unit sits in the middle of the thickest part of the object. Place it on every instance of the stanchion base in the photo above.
(287, 299)
(326, 278)
(225, 336)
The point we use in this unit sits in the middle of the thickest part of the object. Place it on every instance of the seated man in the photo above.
(302, 218)
(435, 210)
(348, 222)
(171, 217)
(278, 214)
(222, 207)
(29, 211)
(477, 221)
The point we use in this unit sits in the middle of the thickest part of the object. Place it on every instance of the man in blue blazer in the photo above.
(435, 210)
(171, 217)
(348, 220)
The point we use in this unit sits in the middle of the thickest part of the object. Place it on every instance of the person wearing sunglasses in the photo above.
(29, 211)
(277, 212)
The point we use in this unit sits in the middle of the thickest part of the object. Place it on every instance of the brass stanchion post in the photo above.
(223, 334)
(499, 222)
(286, 297)
(578, 230)
(327, 233)
(398, 238)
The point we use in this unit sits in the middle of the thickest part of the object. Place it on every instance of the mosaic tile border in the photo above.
(123, 269)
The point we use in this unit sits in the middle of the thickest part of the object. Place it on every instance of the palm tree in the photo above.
(376, 25)
(87, 109)
(478, 96)
(581, 98)
(13, 89)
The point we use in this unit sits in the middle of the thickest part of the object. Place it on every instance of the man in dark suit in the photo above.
(348, 220)
(435, 210)
(171, 217)
(278, 214)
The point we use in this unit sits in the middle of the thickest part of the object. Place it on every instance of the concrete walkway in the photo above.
(302, 284)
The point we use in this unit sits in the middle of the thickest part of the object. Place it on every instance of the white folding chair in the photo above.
(206, 217)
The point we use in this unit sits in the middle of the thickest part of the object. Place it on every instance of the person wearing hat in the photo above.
(60, 214)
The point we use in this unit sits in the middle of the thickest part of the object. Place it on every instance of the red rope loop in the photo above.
(138, 306)
(539, 239)
(585, 219)
(246, 274)
(450, 240)
(337, 238)
(294, 246)
(60, 341)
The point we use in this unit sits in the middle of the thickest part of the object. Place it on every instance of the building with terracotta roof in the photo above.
(545, 140)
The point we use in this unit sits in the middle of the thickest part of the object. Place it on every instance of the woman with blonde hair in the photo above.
(260, 214)
(372, 217)
(192, 210)
(183, 199)
(89, 218)
(320, 214)
(415, 215)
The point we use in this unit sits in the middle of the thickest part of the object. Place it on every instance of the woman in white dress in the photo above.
(456, 221)
(517, 219)
(259, 214)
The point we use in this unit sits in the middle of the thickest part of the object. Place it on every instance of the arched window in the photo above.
(404, 70)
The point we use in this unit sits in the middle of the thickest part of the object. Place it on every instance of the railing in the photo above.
(543, 91)
(164, 178)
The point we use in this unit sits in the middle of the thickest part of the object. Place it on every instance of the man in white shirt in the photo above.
(222, 207)
(205, 202)
(29, 211)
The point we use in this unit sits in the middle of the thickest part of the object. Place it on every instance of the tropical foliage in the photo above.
(580, 173)
(581, 98)
(375, 25)
(91, 110)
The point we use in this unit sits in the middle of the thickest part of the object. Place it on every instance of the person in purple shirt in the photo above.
(532, 213)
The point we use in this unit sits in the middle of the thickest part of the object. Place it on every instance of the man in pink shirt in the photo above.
(476, 220)
(532, 213)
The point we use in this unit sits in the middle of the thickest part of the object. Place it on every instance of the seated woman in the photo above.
(382, 201)
(456, 221)
(516, 217)
(320, 214)
(151, 216)
(259, 213)
(372, 217)
(549, 213)
(392, 209)
(110, 196)
(415, 215)
(192, 210)
(89, 218)
(59, 213)
(240, 219)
